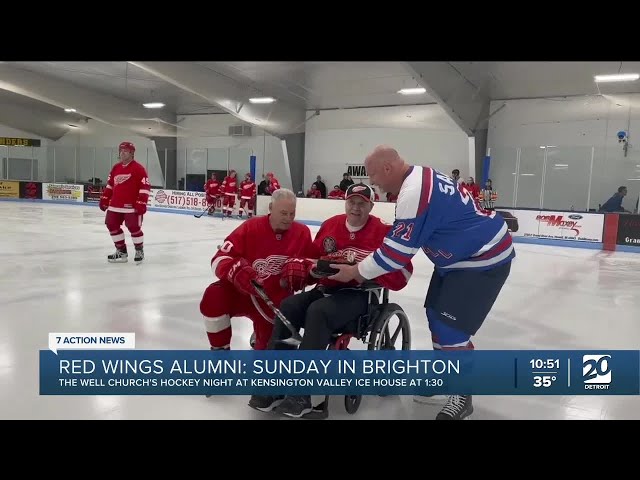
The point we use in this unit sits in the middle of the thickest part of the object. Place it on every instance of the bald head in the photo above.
(386, 168)
(383, 154)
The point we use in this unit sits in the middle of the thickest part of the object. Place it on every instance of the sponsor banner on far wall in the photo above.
(629, 230)
(177, 199)
(577, 226)
(9, 189)
(62, 191)
(32, 190)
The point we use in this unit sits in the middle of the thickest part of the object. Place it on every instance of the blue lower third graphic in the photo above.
(331, 372)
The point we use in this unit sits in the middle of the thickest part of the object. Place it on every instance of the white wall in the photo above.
(423, 135)
(577, 130)
(38, 154)
(84, 153)
(100, 141)
(208, 145)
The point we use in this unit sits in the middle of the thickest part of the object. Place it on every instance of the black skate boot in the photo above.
(295, 406)
(119, 256)
(139, 255)
(265, 403)
(459, 407)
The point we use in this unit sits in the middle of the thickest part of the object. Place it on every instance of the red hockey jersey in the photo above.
(336, 240)
(336, 195)
(273, 185)
(247, 189)
(229, 185)
(126, 185)
(265, 250)
(212, 187)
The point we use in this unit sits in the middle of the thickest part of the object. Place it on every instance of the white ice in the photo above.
(54, 277)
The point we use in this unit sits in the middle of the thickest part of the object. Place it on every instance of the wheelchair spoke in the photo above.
(396, 333)
(383, 339)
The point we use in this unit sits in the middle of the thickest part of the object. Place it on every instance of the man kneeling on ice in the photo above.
(331, 306)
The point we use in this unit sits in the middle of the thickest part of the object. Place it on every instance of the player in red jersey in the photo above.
(259, 249)
(212, 191)
(125, 200)
(229, 190)
(247, 196)
(331, 306)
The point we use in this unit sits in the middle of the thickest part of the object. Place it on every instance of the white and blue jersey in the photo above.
(438, 216)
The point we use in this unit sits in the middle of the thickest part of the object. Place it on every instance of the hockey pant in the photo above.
(246, 204)
(214, 202)
(221, 302)
(452, 321)
(228, 203)
(133, 222)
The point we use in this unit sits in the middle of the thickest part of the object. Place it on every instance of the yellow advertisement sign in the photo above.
(62, 191)
(9, 189)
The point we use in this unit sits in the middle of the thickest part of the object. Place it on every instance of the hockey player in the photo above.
(247, 196)
(229, 189)
(212, 191)
(259, 249)
(332, 306)
(471, 249)
(125, 200)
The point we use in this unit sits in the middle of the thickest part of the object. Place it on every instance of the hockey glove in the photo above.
(141, 207)
(241, 274)
(104, 203)
(295, 273)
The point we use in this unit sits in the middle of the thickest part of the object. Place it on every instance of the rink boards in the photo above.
(558, 228)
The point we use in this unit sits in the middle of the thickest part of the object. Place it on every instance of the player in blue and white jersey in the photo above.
(471, 249)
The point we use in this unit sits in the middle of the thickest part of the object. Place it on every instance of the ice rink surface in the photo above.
(55, 277)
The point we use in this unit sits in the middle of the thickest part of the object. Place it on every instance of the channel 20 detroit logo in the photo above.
(596, 372)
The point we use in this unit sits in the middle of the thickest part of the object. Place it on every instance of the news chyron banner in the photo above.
(109, 364)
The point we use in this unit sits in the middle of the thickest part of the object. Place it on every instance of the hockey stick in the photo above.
(295, 338)
(208, 209)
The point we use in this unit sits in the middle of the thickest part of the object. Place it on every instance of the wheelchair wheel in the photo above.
(390, 323)
(352, 403)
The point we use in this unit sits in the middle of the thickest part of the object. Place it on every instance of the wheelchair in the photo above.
(373, 330)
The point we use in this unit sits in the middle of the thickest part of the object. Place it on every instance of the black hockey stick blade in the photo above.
(198, 215)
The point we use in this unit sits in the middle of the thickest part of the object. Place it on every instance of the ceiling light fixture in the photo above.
(69, 110)
(412, 91)
(262, 100)
(73, 126)
(153, 105)
(618, 77)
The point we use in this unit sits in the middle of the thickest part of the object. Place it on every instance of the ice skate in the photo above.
(459, 407)
(139, 255)
(119, 256)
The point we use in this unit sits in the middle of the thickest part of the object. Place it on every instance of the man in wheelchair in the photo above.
(331, 306)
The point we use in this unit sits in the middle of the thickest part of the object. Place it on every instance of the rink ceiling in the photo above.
(56, 278)
(34, 94)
